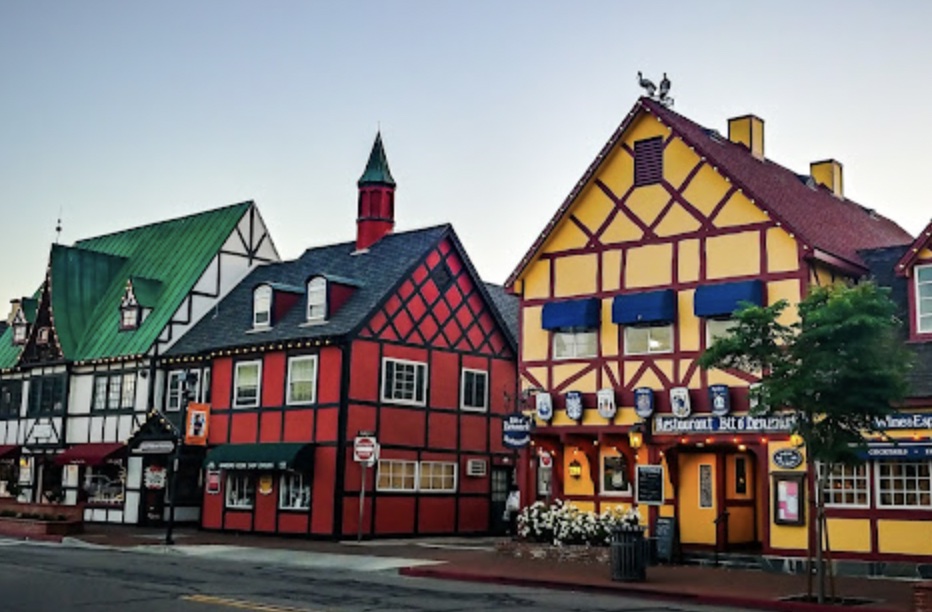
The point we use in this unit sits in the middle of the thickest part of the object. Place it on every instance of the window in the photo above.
(104, 484)
(114, 391)
(648, 340)
(317, 299)
(262, 306)
(294, 492)
(404, 382)
(648, 161)
(302, 379)
(437, 476)
(924, 299)
(175, 390)
(175, 398)
(248, 374)
(42, 336)
(395, 475)
(904, 484)
(129, 318)
(575, 343)
(204, 392)
(474, 391)
(240, 490)
(11, 398)
(615, 477)
(844, 485)
(718, 328)
(19, 332)
(47, 394)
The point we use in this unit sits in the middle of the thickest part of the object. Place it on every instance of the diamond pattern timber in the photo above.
(453, 315)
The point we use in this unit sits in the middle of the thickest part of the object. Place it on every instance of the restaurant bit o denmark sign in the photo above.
(664, 424)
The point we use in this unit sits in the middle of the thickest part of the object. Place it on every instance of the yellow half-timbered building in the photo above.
(669, 229)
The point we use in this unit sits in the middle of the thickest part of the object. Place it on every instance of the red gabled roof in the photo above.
(834, 226)
(923, 240)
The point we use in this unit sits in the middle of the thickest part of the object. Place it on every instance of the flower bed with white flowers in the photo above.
(563, 532)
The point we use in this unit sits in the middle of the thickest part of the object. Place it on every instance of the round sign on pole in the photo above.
(365, 449)
(546, 460)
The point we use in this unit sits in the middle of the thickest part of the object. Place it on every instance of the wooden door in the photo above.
(697, 503)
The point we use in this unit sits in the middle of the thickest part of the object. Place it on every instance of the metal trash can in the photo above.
(630, 555)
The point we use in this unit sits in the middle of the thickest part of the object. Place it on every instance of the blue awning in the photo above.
(644, 308)
(725, 298)
(572, 313)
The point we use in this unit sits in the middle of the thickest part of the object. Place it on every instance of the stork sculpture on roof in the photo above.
(663, 95)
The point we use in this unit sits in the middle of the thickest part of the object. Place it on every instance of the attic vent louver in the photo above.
(648, 161)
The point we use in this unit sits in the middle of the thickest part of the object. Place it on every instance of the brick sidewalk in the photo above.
(742, 589)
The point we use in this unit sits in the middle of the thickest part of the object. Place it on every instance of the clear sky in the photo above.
(116, 114)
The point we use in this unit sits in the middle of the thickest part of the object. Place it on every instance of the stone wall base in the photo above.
(594, 555)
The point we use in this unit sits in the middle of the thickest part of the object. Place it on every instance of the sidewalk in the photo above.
(474, 559)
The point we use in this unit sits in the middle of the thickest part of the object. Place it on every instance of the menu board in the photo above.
(649, 485)
(665, 535)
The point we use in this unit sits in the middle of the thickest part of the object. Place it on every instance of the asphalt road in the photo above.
(55, 578)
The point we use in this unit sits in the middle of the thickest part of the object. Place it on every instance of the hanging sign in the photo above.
(516, 430)
(787, 458)
(574, 405)
(644, 402)
(265, 484)
(605, 399)
(213, 482)
(197, 422)
(679, 400)
(544, 406)
(720, 400)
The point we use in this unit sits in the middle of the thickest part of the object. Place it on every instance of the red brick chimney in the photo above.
(376, 208)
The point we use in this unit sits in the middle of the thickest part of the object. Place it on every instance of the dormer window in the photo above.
(317, 299)
(924, 299)
(20, 326)
(262, 306)
(129, 309)
(42, 336)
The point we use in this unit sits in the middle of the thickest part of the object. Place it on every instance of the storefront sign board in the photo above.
(665, 424)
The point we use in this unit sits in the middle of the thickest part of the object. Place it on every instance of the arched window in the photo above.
(317, 299)
(262, 306)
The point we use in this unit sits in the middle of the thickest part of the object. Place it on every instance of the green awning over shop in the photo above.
(268, 456)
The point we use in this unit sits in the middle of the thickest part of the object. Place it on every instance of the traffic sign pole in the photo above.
(362, 498)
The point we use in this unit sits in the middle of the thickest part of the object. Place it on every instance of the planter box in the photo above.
(593, 555)
(72, 512)
(34, 528)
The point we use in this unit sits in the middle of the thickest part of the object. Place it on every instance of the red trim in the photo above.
(905, 265)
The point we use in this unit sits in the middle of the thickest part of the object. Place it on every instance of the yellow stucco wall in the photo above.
(850, 535)
(576, 275)
(904, 537)
(649, 266)
(731, 255)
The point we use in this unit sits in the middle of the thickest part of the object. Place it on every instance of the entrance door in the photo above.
(697, 506)
(502, 478)
(740, 499)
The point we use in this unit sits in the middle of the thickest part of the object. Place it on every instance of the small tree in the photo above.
(837, 369)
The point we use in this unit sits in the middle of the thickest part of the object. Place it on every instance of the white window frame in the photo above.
(129, 318)
(849, 476)
(426, 469)
(128, 390)
(919, 310)
(878, 480)
(236, 387)
(317, 306)
(668, 326)
(628, 491)
(422, 401)
(175, 389)
(235, 483)
(262, 305)
(570, 338)
(288, 391)
(724, 325)
(484, 407)
(20, 332)
(396, 482)
(287, 500)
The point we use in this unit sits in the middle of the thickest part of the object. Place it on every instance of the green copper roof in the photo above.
(377, 172)
(88, 281)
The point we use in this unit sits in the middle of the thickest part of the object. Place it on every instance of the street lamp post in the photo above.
(190, 379)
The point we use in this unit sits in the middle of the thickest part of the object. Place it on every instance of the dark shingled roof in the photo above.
(882, 263)
(375, 273)
(508, 306)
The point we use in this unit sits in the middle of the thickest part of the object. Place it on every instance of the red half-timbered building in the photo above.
(392, 334)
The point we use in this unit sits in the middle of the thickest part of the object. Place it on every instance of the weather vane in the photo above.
(662, 95)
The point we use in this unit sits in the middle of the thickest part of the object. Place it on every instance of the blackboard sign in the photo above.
(665, 536)
(649, 485)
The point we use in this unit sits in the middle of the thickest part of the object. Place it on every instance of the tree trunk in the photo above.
(820, 520)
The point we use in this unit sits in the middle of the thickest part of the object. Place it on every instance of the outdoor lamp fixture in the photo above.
(796, 440)
(575, 469)
(636, 436)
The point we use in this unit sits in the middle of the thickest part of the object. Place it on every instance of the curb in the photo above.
(622, 588)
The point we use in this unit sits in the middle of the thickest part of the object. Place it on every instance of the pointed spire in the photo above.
(377, 172)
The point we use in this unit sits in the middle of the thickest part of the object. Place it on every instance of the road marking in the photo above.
(243, 604)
